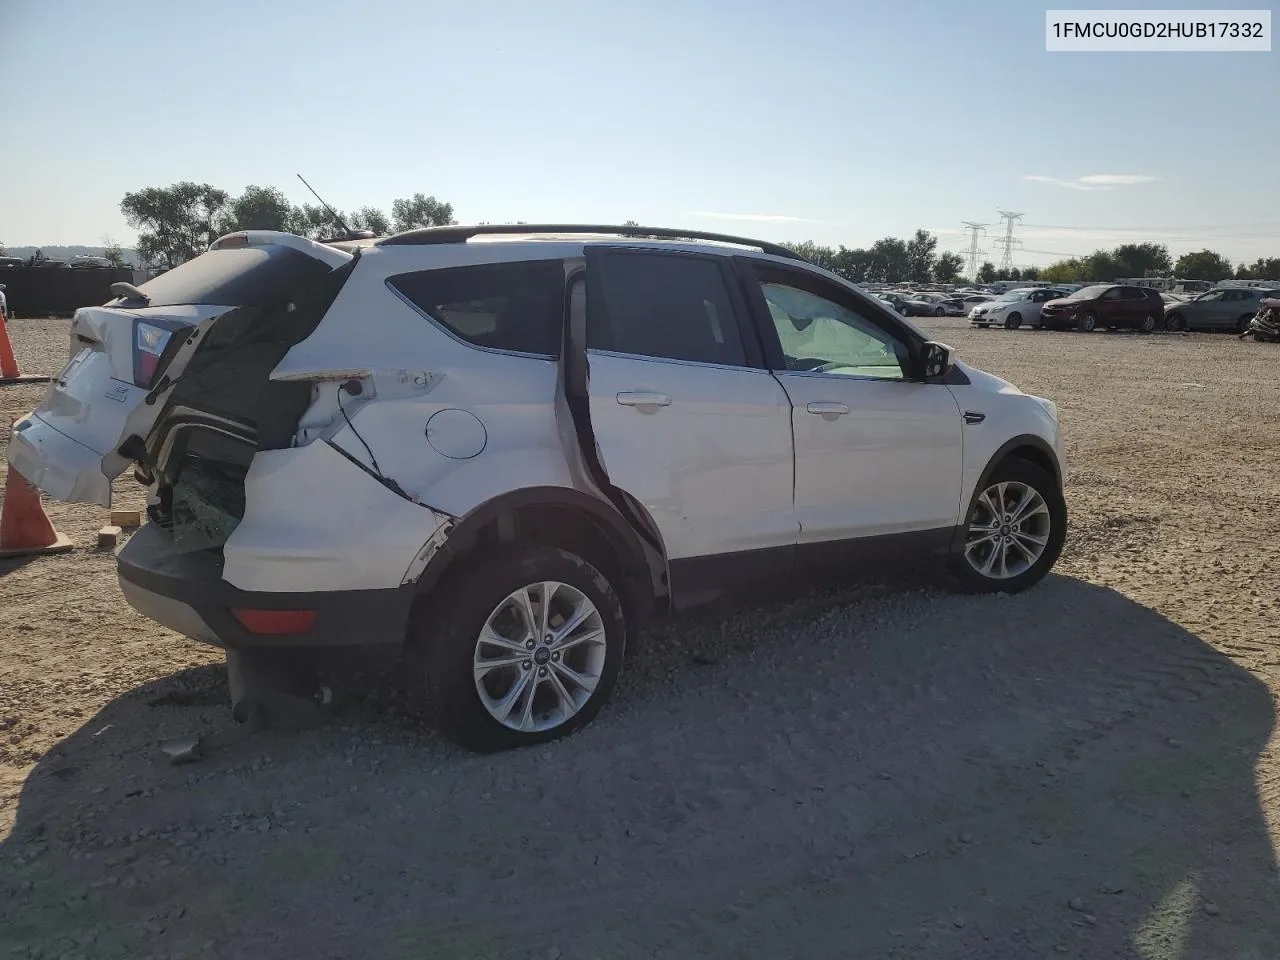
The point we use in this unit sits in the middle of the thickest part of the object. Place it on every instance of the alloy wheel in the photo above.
(539, 656)
(1008, 531)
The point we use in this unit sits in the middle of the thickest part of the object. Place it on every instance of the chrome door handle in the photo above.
(828, 410)
(644, 400)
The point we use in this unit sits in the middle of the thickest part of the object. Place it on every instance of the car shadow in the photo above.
(866, 773)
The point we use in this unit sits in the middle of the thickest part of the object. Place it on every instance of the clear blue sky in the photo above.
(858, 120)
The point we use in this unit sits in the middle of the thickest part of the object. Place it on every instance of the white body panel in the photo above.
(713, 467)
(314, 521)
(891, 464)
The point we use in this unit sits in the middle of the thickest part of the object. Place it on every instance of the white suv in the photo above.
(504, 450)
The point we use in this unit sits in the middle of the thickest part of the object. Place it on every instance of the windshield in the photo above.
(1013, 295)
(1088, 293)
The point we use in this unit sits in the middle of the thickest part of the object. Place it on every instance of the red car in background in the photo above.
(1111, 305)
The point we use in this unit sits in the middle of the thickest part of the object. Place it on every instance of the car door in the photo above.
(878, 453)
(1112, 310)
(686, 419)
(1035, 304)
(1135, 304)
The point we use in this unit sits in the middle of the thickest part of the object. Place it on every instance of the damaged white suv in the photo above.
(505, 449)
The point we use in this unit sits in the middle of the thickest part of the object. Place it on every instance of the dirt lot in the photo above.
(1086, 770)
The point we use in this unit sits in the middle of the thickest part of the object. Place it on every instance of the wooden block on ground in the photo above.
(109, 536)
(126, 518)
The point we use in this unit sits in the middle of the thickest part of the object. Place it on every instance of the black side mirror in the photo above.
(936, 360)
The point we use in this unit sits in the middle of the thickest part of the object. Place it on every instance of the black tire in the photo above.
(1013, 321)
(1148, 323)
(1243, 323)
(446, 624)
(984, 326)
(1016, 470)
(1175, 322)
(940, 312)
(1088, 323)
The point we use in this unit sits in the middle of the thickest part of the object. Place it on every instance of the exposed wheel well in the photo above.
(563, 525)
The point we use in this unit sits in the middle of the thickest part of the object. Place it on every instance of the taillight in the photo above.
(275, 622)
(148, 343)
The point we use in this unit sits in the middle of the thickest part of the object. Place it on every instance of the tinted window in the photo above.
(1134, 293)
(239, 277)
(665, 305)
(504, 306)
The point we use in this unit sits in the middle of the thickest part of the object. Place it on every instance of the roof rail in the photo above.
(432, 235)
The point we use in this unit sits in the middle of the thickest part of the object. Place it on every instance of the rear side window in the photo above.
(669, 306)
(504, 306)
(239, 277)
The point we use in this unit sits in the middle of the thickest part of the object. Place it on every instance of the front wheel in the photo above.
(1013, 321)
(940, 312)
(1088, 323)
(518, 648)
(1175, 323)
(1014, 530)
(1243, 323)
(1148, 323)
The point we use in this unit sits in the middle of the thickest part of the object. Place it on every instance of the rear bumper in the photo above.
(60, 466)
(186, 593)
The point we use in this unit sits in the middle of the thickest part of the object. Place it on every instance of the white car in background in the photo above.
(1015, 308)
(504, 455)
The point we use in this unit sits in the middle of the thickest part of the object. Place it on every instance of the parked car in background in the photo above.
(747, 418)
(1014, 308)
(896, 300)
(1110, 305)
(1226, 308)
(925, 305)
(1169, 298)
(4, 304)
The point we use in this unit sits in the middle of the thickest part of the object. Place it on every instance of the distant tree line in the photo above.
(892, 260)
(178, 222)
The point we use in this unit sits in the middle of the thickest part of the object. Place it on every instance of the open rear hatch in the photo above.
(174, 377)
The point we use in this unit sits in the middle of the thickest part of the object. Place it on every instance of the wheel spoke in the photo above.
(1031, 505)
(988, 538)
(521, 598)
(567, 706)
(494, 639)
(990, 562)
(548, 590)
(573, 676)
(1034, 538)
(526, 715)
(1031, 555)
(484, 667)
(502, 709)
(581, 613)
(590, 636)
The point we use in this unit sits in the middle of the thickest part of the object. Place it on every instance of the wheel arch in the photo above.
(561, 517)
(1029, 447)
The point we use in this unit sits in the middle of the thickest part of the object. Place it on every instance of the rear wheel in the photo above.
(519, 648)
(1015, 529)
(1088, 323)
(940, 312)
(1148, 323)
(1243, 323)
(1013, 321)
(1175, 322)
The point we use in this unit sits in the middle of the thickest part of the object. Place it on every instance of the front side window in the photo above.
(665, 306)
(515, 306)
(818, 335)
(1215, 295)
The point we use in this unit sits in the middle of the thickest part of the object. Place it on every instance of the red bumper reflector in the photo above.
(276, 622)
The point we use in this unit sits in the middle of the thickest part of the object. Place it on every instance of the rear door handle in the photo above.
(644, 400)
(827, 409)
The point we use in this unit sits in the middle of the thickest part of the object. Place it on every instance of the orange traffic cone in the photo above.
(24, 526)
(9, 363)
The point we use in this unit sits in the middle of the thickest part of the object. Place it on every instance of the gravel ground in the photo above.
(1085, 770)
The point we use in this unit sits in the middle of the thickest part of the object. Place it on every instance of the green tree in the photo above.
(317, 222)
(889, 261)
(1142, 259)
(261, 208)
(1203, 265)
(822, 256)
(370, 218)
(1260, 269)
(853, 264)
(948, 266)
(113, 253)
(1063, 271)
(631, 223)
(175, 223)
(420, 211)
(987, 272)
(921, 253)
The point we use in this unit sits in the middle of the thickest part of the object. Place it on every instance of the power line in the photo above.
(1007, 241)
(973, 229)
(1200, 226)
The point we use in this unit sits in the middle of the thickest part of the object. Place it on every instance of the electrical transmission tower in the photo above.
(974, 252)
(1007, 241)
